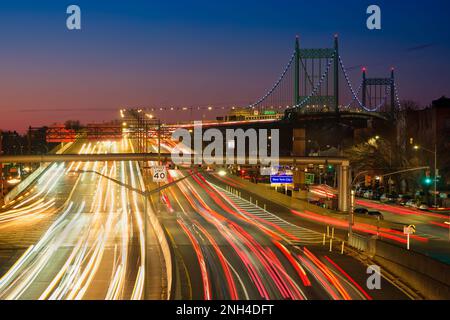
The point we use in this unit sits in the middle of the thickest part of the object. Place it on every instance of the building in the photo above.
(428, 128)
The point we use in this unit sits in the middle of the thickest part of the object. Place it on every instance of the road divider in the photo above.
(429, 277)
(163, 241)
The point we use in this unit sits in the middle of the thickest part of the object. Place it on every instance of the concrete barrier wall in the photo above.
(24, 184)
(429, 277)
(165, 248)
(358, 242)
(163, 242)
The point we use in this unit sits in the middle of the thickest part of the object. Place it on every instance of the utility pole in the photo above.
(435, 175)
(436, 171)
(145, 244)
(159, 163)
(145, 213)
(159, 142)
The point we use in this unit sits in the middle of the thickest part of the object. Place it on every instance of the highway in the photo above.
(90, 240)
(92, 244)
(432, 235)
(228, 248)
(431, 238)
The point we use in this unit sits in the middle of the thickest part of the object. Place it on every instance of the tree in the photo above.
(410, 105)
(380, 156)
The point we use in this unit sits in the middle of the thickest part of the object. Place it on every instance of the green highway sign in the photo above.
(309, 178)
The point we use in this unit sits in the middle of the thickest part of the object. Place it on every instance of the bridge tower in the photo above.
(376, 90)
(310, 84)
(313, 85)
(296, 72)
(336, 74)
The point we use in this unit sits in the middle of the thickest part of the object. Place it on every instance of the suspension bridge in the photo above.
(310, 84)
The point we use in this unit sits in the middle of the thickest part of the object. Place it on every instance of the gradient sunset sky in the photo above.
(183, 53)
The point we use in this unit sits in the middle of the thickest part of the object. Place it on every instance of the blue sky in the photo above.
(199, 52)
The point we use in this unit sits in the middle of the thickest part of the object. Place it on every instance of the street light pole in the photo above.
(435, 176)
(145, 210)
(145, 245)
(352, 203)
(159, 163)
(435, 168)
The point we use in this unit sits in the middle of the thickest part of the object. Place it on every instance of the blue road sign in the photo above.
(282, 179)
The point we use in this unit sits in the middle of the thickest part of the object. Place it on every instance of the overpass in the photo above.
(342, 164)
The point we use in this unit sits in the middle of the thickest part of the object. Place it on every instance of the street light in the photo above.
(222, 173)
(417, 147)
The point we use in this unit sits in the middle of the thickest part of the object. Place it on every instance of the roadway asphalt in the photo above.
(88, 240)
(432, 235)
(431, 239)
(228, 248)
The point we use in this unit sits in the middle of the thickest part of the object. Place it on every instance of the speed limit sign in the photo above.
(159, 174)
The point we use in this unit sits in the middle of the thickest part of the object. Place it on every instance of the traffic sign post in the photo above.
(409, 230)
(282, 179)
(309, 178)
(159, 174)
(282, 176)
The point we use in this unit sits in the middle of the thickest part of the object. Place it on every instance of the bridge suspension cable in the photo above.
(268, 93)
(397, 96)
(354, 97)
(309, 64)
(355, 93)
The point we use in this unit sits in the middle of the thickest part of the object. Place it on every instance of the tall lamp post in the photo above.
(416, 147)
(141, 122)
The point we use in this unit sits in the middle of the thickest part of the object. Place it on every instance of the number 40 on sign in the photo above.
(159, 174)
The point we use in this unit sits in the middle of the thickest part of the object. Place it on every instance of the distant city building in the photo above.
(429, 127)
(248, 114)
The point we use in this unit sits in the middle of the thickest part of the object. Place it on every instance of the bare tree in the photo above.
(380, 156)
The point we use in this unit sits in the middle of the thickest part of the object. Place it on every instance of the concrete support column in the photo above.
(299, 150)
(299, 176)
(343, 188)
(339, 187)
(299, 142)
